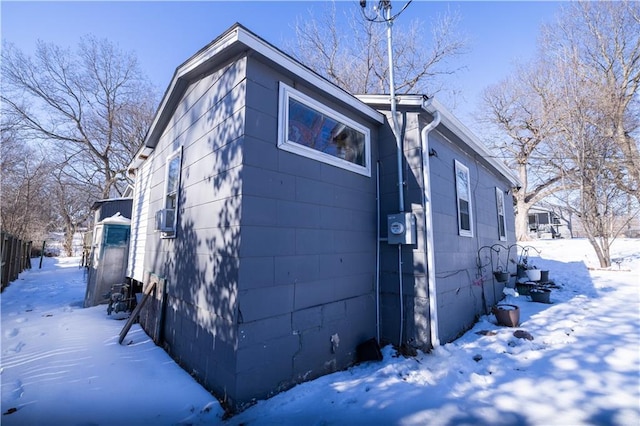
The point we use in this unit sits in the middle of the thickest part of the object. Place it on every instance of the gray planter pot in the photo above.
(501, 277)
(540, 295)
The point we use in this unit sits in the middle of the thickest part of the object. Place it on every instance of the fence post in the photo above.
(13, 272)
(4, 278)
(15, 257)
(42, 254)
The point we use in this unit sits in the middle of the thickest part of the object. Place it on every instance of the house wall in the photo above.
(307, 257)
(200, 266)
(270, 279)
(460, 300)
(463, 291)
(413, 319)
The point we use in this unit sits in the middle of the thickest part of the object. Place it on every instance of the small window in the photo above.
(463, 194)
(502, 225)
(308, 128)
(172, 185)
(543, 218)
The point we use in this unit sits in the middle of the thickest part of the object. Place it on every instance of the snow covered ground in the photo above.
(62, 364)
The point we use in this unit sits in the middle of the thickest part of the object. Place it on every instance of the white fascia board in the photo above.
(463, 132)
(143, 153)
(262, 47)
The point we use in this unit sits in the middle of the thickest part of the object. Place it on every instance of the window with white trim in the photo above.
(167, 220)
(463, 196)
(502, 224)
(308, 128)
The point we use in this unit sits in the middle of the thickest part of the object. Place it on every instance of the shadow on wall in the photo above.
(202, 261)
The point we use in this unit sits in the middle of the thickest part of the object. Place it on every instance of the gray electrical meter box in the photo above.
(401, 228)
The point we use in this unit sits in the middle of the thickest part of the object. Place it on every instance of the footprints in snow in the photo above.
(11, 333)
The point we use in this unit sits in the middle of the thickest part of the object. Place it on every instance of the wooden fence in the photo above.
(16, 257)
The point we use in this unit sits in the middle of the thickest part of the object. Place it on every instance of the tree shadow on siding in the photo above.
(202, 263)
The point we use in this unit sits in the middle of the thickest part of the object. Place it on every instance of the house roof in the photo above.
(450, 122)
(98, 203)
(235, 40)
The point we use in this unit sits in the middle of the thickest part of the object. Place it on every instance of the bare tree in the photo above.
(352, 52)
(588, 106)
(72, 204)
(522, 111)
(91, 105)
(23, 195)
(600, 43)
(573, 118)
(596, 198)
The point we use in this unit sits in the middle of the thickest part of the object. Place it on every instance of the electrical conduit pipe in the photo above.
(397, 134)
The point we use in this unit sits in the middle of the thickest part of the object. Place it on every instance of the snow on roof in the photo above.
(116, 219)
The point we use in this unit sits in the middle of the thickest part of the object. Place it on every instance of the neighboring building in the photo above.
(107, 263)
(546, 224)
(108, 207)
(103, 209)
(261, 213)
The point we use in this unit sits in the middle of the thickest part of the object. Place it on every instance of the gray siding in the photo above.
(459, 299)
(108, 208)
(201, 263)
(274, 252)
(139, 224)
(307, 254)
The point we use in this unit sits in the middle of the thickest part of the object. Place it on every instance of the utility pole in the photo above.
(383, 14)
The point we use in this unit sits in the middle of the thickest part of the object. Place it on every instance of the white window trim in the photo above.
(285, 93)
(174, 154)
(459, 167)
(502, 233)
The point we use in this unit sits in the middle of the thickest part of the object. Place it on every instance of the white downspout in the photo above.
(429, 256)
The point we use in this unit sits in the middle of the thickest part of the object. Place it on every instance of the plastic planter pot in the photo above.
(507, 315)
(533, 274)
(540, 295)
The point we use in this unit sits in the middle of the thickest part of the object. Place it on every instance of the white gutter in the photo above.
(429, 256)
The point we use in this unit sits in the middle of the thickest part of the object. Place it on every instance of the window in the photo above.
(308, 128)
(167, 218)
(543, 218)
(502, 225)
(463, 194)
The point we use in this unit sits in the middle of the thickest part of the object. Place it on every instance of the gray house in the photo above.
(276, 232)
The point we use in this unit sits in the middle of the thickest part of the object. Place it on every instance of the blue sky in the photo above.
(164, 34)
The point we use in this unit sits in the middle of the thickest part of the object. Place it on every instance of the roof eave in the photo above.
(235, 40)
(456, 126)
(449, 121)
